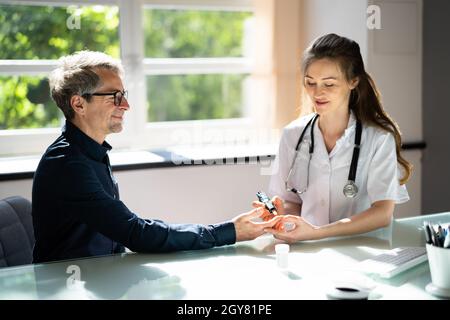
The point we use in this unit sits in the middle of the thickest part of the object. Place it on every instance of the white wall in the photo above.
(197, 194)
(395, 62)
(344, 17)
(204, 194)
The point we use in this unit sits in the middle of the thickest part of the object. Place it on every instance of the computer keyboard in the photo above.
(391, 263)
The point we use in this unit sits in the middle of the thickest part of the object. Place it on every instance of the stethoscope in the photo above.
(350, 189)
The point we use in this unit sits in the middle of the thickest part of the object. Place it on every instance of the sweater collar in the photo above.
(88, 145)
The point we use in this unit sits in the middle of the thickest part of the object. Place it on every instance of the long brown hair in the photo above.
(365, 99)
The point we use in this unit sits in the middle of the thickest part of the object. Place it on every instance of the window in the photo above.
(195, 97)
(25, 102)
(34, 33)
(191, 94)
(194, 33)
(188, 65)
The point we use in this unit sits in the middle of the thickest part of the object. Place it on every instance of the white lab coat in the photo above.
(377, 175)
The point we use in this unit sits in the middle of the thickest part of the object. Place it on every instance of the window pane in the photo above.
(25, 102)
(45, 32)
(188, 34)
(195, 97)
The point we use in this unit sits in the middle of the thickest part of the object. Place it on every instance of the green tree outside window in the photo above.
(40, 32)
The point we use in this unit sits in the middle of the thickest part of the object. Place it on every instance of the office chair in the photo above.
(16, 232)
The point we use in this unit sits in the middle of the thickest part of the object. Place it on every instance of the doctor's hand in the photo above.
(301, 230)
(246, 229)
(279, 205)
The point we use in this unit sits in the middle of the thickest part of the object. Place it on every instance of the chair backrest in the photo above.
(16, 232)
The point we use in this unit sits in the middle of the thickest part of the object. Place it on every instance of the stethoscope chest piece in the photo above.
(350, 189)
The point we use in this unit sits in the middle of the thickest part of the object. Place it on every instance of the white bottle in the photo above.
(282, 252)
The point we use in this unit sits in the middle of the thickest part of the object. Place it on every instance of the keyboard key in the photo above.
(391, 263)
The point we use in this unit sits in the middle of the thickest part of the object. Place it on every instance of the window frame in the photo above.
(138, 133)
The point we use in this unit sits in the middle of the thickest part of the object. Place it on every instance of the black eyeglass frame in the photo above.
(117, 99)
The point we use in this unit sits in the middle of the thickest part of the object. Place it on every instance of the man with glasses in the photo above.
(76, 207)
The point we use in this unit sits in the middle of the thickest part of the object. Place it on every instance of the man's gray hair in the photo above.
(75, 75)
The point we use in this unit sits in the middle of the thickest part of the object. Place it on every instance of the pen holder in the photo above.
(439, 260)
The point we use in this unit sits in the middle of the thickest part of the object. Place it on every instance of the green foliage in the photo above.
(25, 103)
(41, 32)
(186, 34)
(196, 97)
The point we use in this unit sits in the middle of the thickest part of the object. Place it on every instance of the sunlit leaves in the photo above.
(40, 32)
(187, 34)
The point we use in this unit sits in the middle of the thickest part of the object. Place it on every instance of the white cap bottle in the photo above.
(282, 252)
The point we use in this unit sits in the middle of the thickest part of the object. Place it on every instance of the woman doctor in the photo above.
(339, 169)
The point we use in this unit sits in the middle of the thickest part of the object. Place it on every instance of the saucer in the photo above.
(436, 291)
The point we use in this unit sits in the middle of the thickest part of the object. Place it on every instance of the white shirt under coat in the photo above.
(377, 174)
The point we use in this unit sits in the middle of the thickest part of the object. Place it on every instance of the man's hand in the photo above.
(279, 205)
(302, 230)
(246, 229)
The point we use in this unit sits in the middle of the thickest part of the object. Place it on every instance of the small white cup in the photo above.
(282, 252)
(439, 260)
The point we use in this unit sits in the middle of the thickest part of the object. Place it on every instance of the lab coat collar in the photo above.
(351, 127)
(347, 138)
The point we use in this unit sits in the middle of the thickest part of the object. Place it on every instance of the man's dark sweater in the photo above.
(77, 211)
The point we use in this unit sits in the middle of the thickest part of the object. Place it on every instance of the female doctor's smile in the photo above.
(315, 186)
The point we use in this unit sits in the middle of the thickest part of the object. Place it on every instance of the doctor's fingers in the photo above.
(255, 213)
(267, 214)
(277, 201)
(292, 219)
(282, 235)
(269, 224)
(279, 225)
(287, 237)
(257, 204)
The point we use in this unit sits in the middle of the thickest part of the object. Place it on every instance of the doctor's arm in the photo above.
(379, 215)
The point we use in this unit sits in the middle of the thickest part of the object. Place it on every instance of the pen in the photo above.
(447, 240)
(434, 239)
(441, 236)
(426, 228)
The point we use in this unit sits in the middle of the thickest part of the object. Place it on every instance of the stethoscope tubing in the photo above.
(350, 189)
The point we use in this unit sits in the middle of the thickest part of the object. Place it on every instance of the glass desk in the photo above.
(247, 270)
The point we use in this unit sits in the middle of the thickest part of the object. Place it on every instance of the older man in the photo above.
(76, 207)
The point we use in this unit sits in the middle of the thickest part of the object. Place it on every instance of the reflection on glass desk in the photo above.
(247, 270)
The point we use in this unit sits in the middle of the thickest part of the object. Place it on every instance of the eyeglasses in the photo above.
(118, 96)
